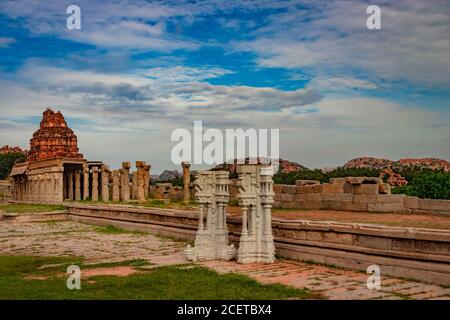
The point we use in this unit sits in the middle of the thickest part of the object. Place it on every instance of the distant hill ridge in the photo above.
(376, 163)
(7, 149)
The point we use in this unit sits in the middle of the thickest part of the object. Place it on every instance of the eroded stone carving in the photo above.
(256, 199)
(211, 241)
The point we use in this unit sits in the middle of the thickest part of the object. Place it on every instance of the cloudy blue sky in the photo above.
(139, 69)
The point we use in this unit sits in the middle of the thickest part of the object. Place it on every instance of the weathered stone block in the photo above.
(348, 188)
(289, 204)
(313, 197)
(277, 188)
(386, 207)
(331, 205)
(315, 235)
(309, 189)
(364, 198)
(350, 206)
(391, 198)
(374, 242)
(341, 238)
(437, 205)
(288, 189)
(341, 197)
(370, 189)
(333, 188)
(337, 180)
(411, 202)
(306, 182)
(287, 197)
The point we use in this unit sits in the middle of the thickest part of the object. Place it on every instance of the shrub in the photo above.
(317, 174)
(7, 161)
(427, 184)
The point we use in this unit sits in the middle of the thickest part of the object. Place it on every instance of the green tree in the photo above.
(7, 161)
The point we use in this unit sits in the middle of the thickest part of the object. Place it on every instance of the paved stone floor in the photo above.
(69, 238)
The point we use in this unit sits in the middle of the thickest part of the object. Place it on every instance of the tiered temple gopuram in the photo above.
(55, 170)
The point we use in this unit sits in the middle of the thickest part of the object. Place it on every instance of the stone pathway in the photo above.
(332, 283)
(68, 238)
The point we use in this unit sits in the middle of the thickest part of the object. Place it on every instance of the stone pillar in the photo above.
(94, 183)
(77, 185)
(186, 182)
(50, 186)
(211, 243)
(41, 188)
(125, 181)
(70, 187)
(115, 186)
(105, 182)
(85, 182)
(134, 185)
(24, 188)
(146, 180)
(256, 192)
(140, 193)
(58, 175)
(33, 187)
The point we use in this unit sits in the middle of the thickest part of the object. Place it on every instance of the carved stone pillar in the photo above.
(134, 185)
(105, 182)
(58, 176)
(116, 186)
(212, 194)
(140, 181)
(146, 180)
(77, 185)
(125, 181)
(85, 182)
(94, 183)
(256, 193)
(50, 186)
(70, 186)
(186, 182)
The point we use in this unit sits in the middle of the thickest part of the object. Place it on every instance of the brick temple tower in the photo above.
(54, 139)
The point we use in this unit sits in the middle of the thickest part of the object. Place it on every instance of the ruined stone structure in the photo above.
(211, 241)
(256, 199)
(55, 171)
(186, 182)
(54, 166)
(54, 139)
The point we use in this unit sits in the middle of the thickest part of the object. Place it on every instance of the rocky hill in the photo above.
(7, 149)
(285, 165)
(381, 164)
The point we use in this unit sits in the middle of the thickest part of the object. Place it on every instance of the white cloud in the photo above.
(128, 117)
(331, 38)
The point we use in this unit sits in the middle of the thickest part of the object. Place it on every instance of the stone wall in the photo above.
(353, 194)
(5, 189)
(421, 254)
